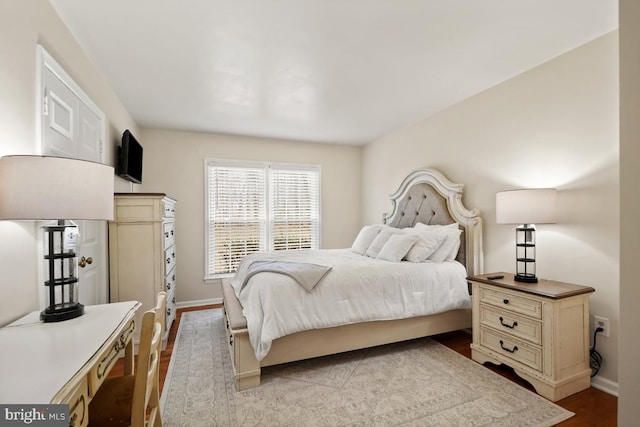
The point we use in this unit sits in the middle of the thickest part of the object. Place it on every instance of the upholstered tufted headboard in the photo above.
(427, 196)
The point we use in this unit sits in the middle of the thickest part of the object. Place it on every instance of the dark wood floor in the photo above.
(592, 407)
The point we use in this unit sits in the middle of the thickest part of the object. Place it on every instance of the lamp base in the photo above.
(62, 312)
(526, 278)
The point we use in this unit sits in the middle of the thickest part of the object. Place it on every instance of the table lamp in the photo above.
(40, 188)
(526, 208)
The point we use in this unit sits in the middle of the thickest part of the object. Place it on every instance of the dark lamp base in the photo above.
(529, 278)
(62, 312)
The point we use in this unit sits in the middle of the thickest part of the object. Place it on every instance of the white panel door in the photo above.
(91, 262)
(89, 139)
(59, 118)
(73, 127)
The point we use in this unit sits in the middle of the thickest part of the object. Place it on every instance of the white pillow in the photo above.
(397, 247)
(425, 246)
(376, 246)
(451, 241)
(454, 247)
(365, 237)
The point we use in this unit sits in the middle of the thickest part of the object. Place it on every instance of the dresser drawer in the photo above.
(170, 281)
(512, 348)
(511, 324)
(515, 303)
(168, 234)
(171, 310)
(169, 259)
(108, 358)
(169, 208)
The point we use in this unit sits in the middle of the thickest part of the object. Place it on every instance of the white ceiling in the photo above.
(335, 71)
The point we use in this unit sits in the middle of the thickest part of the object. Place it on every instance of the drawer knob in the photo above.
(230, 339)
(505, 301)
(506, 325)
(166, 234)
(168, 260)
(510, 350)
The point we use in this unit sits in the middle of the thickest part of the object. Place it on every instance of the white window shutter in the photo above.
(236, 216)
(293, 213)
(259, 206)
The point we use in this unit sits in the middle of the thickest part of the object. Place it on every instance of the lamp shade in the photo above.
(54, 188)
(529, 206)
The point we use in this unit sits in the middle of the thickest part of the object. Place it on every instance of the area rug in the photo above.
(414, 383)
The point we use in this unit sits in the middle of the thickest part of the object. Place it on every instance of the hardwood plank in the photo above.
(592, 406)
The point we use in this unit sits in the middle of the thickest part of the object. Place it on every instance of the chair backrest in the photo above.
(146, 389)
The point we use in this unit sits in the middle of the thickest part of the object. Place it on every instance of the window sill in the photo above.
(211, 280)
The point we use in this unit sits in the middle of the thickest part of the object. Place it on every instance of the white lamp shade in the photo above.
(530, 206)
(55, 188)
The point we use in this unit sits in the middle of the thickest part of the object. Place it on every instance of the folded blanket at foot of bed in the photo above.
(306, 274)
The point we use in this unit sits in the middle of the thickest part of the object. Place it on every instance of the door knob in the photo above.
(84, 261)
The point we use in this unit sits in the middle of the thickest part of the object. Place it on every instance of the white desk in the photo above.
(65, 362)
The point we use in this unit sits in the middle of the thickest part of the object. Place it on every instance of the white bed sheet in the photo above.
(358, 289)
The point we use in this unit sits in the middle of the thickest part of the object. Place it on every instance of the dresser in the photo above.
(142, 252)
(541, 330)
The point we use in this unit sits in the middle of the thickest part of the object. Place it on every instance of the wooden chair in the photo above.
(126, 400)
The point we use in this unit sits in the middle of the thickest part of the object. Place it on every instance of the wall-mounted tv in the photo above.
(130, 158)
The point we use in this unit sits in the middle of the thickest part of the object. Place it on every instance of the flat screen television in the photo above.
(130, 158)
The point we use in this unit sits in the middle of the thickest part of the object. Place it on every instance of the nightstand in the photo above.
(541, 330)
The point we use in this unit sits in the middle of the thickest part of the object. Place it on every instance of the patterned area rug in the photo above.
(414, 383)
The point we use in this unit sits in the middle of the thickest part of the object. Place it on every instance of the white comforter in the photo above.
(357, 289)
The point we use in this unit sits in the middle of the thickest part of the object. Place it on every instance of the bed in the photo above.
(425, 196)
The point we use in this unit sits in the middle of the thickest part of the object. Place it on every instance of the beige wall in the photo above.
(174, 164)
(24, 24)
(553, 126)
(628, 410)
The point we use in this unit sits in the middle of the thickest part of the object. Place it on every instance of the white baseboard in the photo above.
(197, 303)
(605, 385)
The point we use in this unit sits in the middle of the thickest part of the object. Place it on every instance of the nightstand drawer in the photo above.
(511, 324)
(512, 302)
(512, 348)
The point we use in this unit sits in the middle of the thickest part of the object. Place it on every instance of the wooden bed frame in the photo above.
(426, 196)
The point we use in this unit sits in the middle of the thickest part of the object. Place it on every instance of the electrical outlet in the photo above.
(601, 322)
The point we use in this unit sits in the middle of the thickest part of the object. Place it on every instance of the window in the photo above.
(259, 207)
